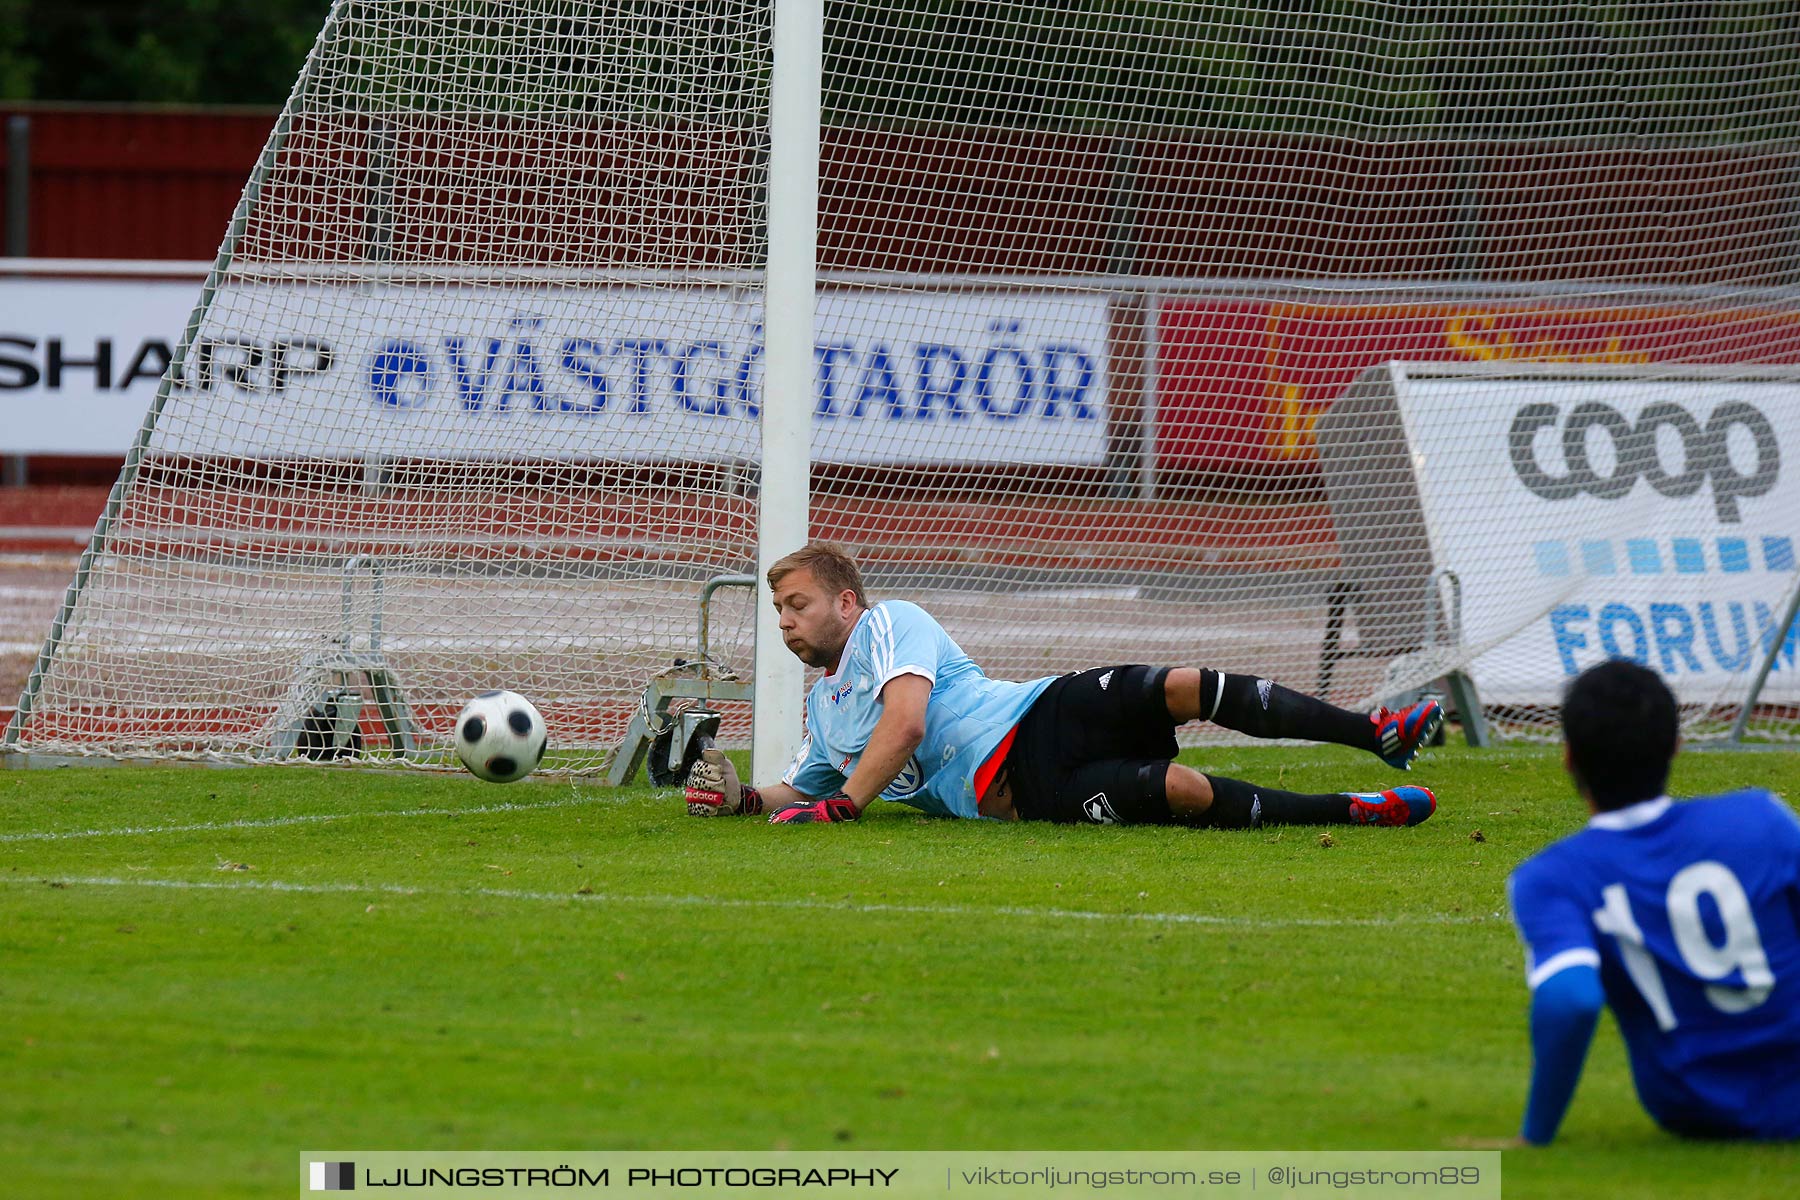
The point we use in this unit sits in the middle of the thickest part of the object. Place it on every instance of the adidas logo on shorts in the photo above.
(1107, 678)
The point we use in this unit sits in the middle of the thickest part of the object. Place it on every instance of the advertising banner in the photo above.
(1241, 383)
(80, 359)
(640, 374)
(1653, 519)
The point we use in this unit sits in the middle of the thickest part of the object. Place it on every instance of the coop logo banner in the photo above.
(1649, 519)
(639, 374)
(1643, 449)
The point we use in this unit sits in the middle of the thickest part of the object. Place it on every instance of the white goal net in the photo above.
(1360, 346)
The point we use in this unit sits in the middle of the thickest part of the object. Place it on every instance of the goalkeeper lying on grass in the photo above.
(905, 715)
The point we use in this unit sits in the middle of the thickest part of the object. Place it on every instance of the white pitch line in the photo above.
(813, 905)
(278, 822)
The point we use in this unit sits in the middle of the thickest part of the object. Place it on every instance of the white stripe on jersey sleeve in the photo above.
(881, 641)
(1580, 956)
(905, 669)
(793, 771)
(883, 660)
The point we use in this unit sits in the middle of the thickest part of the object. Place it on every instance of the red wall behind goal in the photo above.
(1240, 380)
(131, 183)
(141, 183)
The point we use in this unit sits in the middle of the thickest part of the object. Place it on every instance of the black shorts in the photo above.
(1080, 748)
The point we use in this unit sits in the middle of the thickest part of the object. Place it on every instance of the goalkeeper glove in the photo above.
(804, 812)
(713, 788)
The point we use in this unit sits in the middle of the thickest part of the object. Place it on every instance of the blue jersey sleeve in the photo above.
(1556, 928)
(1564, 1011)
(1562, 968)
(904, 639)
(811, 773)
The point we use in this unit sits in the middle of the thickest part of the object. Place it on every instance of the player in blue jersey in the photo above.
(903, 714)
(1683, 916)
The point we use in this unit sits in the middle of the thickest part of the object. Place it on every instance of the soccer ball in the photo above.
(500, 737)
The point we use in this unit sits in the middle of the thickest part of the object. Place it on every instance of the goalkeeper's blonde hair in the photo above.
(829, 563)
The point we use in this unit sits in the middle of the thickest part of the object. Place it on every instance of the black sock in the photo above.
(1240, 805)
(1264, 709)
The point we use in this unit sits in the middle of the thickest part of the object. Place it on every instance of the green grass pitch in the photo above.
(217, 969)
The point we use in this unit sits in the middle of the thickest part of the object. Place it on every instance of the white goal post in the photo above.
(1370, 350)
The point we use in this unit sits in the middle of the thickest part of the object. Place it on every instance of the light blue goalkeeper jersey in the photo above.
(965, 720)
